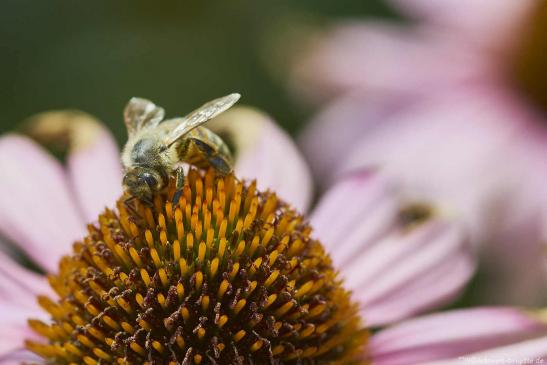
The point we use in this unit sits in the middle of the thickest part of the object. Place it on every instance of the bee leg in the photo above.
(130, 207)
(179, 175)
(213, 158)
(148, 201)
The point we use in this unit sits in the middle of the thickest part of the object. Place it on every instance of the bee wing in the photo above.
(141, 113)
(201, 115)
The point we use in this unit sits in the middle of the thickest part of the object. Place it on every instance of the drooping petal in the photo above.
(428, 267)
(15, 330)
(453, 334)
(93, 161)
(432, 289)
(383, 58)
(531, 352)
(359, 222)
(38, 211)
(20, 356)
(18, 290)
(354, 214)
(20, 286)
(495, 23)
(468, 150)
(266, 153)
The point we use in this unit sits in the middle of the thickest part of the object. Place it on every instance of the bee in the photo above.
(156, 148)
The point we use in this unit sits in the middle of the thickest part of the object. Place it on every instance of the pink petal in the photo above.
(358, 222)
(95, 171)
(94, 160)
(19, 285)
(333, 133)
(354, 214)
(452, 334)
(18, 290)
(413, 283)
(39, 213)
(18, 302)
(468, 150)
(525, 352)
(20, 356)
(383, 58)
(423, 142)
(438, 287)
(266, 153)
(14, 330)
(488, 21)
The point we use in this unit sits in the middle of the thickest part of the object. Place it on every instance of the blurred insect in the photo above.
(155, 148)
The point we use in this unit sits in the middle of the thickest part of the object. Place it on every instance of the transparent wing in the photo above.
(141, 113)
(201, 115)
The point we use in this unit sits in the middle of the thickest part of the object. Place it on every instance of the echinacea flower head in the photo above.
(229, 275)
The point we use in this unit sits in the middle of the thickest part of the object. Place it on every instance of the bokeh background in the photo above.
(95, 56)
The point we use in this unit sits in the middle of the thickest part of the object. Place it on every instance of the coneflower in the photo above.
(230, 275)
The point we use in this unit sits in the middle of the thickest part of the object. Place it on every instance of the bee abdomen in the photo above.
(203, 148)
(212, 139)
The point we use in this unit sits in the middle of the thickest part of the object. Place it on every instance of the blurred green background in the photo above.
(94, 56)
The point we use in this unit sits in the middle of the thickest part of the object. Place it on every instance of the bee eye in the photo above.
(150, 180)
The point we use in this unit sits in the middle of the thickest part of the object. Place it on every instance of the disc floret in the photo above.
(229, 275)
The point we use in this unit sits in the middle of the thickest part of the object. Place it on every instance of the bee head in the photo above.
(142, 182)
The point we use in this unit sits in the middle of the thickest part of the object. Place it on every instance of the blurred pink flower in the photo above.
(434, 104)
(396, 269)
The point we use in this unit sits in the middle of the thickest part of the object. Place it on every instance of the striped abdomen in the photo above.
(203, 148)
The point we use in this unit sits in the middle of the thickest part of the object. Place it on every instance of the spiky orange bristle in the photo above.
(228, 276)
